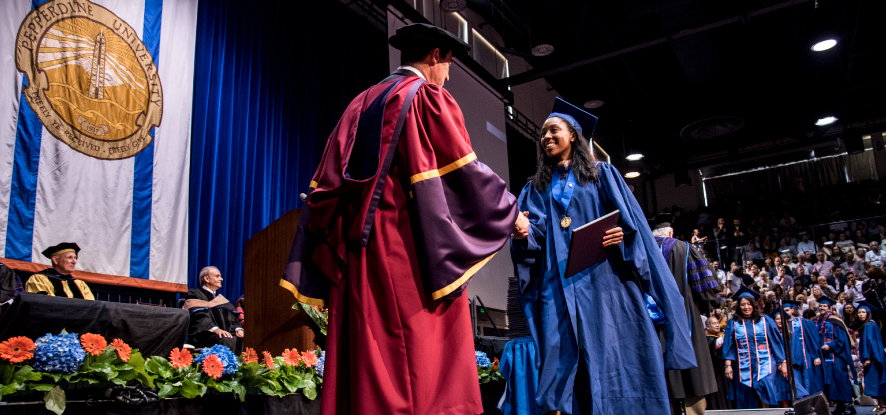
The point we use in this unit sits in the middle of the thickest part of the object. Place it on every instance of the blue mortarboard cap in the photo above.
(872, 310)
(825, 300)
(583, 121)
(746, 292)
(792, 303)
(774, 313)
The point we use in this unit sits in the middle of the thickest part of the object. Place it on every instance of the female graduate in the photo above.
(805, 350)
(597, 348)
(754, 355)
(870, 350)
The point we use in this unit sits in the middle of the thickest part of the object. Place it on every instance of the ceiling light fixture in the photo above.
(634, 157)
(452, 6)
(825, 121)
(595, 103)
(543, 49)
(632, 174)
(824, 45)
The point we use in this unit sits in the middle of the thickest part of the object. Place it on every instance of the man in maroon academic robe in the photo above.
(395, 226)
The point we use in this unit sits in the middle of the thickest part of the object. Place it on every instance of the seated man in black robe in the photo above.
(57, 281)
(213, 317)
(10, 286)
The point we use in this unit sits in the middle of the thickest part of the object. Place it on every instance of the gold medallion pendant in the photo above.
(565, 222)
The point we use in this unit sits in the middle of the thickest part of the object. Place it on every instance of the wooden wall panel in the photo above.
(271, 322)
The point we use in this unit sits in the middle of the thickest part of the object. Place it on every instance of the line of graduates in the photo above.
(756, 364)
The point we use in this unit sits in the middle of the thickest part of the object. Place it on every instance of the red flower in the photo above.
(269, 361)
(94, 344)
(495, 363)
(291, 357)
(249, 356)
(17, 349)
(213, 366)
(123, 349)
(309, 359)
(180, 358)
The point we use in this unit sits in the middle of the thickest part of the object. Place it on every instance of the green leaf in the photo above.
(290, 385)
(6, 373)
(137, 361)
(10, 388)
(190, 389)
(310, 392)
(320, 319)
(167, 390)
(42, 387)
(26, 373)
(160, 366)
(55, 400)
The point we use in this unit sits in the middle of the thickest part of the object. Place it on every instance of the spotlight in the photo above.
(596, 103)
(543, 49)
(825, 121)
(632, 174)
(634, 157)
(824, 45)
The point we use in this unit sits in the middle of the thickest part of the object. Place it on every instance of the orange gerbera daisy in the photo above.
(94, 344)
(291, 357)
(17, 349)
(123, 349)
(309, 359)
(269, 361)
(180, 358)
(212, 366)
(249, 356)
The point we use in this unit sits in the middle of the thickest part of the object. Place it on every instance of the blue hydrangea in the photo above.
(482, 359)
(321, 362)
(229, 361)
(62, 353)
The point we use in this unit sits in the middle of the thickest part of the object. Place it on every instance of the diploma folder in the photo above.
(586, 247)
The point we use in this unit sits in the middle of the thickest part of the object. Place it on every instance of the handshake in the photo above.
(613, 236)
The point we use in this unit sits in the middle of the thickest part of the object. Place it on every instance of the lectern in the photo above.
(271, 322)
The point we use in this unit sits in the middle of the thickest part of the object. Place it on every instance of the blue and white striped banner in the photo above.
(74, 180)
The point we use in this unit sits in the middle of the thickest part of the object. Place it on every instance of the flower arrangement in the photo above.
(54, 361)
(487, 370)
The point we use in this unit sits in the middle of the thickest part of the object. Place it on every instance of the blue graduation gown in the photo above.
(805, 348)
(837, 363)
(870, 346)
(755, 350)
(598, 351)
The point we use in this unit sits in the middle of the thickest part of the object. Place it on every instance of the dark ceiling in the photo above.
(660, 65)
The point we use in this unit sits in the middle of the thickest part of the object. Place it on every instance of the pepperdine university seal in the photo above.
(90, 79)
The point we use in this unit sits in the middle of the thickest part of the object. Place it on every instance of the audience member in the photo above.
(788, 244)
(803, 279)
(854, 289)
(823, 266)
(826, 289)
(854, 265)
(806, 246)
(874, 257)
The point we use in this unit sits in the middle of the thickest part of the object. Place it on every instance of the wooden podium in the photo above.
(271, 322)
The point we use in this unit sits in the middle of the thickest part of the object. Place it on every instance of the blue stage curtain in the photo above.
(271, 81)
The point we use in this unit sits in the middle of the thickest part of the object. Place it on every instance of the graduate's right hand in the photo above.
(521, 227)
(816, 362)
(729, 372)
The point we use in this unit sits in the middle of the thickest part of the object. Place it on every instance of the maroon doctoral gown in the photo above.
(391, 254)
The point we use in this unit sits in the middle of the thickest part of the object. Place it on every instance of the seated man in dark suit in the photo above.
(57, 281)
(213, 317)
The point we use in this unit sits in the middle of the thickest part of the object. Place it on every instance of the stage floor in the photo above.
(859, 410)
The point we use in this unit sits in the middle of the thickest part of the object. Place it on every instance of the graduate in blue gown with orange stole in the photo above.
(870, 351)
(597, 349)
(838, 363)
(754, 355)
(805, 350)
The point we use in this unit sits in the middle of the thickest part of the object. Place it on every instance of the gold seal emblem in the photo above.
(91, 80)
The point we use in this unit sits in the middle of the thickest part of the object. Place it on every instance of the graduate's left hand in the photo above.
(783, 369)
(613, 236)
